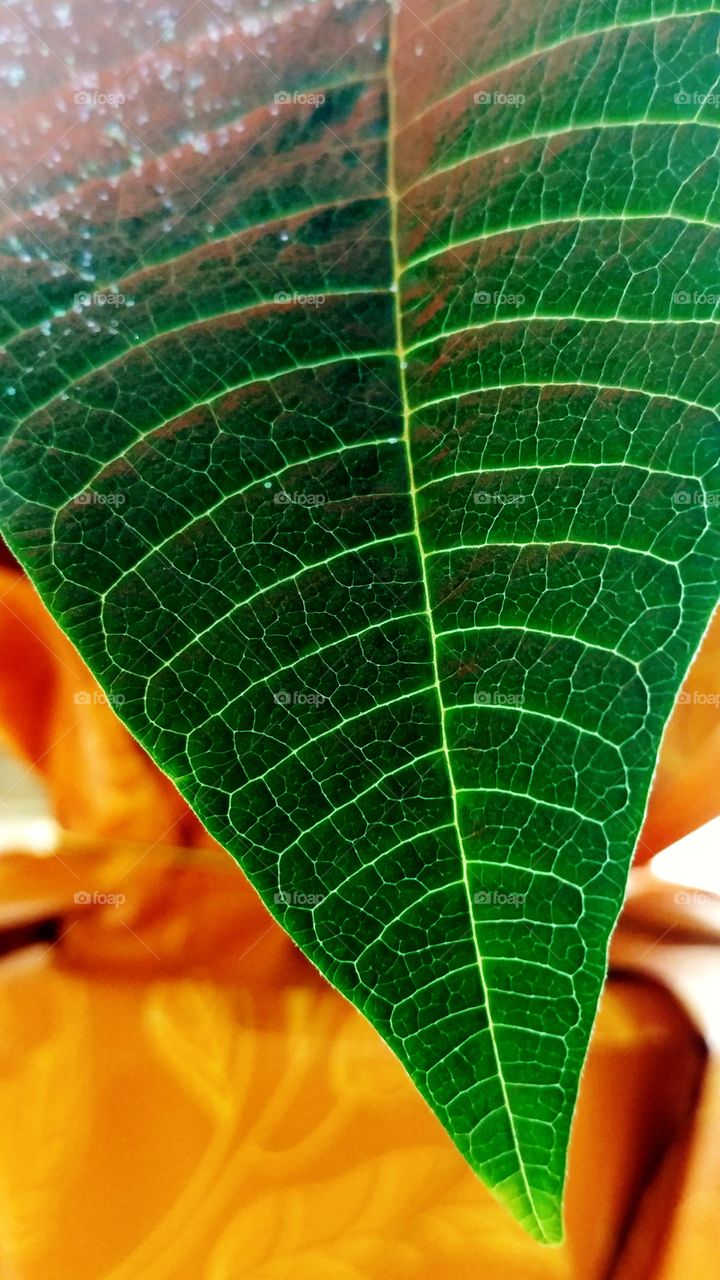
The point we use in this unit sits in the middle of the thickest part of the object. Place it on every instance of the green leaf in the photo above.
(359, 411)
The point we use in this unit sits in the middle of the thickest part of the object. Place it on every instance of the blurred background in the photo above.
(184, 1098)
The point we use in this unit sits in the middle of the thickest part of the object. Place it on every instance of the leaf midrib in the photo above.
(394, 198)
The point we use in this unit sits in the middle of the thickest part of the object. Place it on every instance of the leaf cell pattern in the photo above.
(359, 421)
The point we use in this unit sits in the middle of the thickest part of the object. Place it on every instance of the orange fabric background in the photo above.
(184, 1098)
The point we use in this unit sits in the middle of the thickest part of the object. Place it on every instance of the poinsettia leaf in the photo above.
(359, 419)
